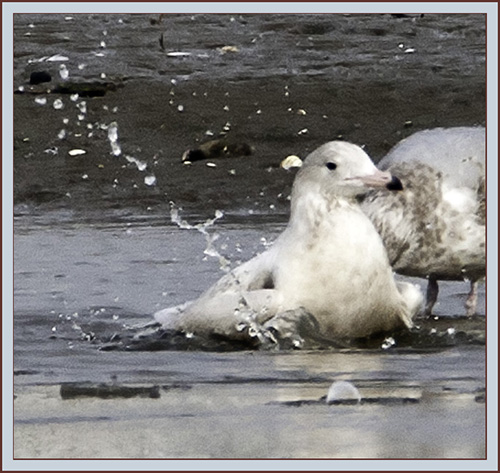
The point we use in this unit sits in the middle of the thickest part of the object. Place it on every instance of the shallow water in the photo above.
(90, 284)
(95, 253)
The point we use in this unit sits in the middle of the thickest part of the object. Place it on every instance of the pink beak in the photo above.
(381, 179)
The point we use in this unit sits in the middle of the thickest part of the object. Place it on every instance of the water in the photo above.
(97, 251)
(80, 286)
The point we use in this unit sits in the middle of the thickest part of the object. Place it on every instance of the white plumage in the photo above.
(329, 263)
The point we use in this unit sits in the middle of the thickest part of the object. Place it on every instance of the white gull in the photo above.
(329, 264)
(435, 227)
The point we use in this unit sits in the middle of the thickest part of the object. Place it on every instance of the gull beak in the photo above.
(382, 179)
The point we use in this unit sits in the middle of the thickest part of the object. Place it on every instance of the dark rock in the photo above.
(38, 77)
(86, 89)
(107, 391)
(217, 149)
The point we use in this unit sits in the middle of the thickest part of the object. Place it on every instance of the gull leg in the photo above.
(432, 294)
(471, 303)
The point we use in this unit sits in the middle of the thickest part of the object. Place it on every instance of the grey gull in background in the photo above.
(329, 264)
(435, 227)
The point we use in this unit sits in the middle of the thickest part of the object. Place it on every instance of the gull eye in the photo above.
(331, 166)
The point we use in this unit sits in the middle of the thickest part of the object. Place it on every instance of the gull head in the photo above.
(342, 169)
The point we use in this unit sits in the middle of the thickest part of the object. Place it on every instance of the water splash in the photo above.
(141, 165)
(203, 227)
(113, 139)
(243, 312)
(63, 72)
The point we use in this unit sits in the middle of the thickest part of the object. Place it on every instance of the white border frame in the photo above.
(491, 464)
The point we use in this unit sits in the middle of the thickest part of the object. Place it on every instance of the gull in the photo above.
(329, 265)
(435, 227)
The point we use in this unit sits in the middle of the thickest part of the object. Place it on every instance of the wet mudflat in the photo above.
(96, 253)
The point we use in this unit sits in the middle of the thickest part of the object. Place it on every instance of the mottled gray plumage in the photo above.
(435, 227)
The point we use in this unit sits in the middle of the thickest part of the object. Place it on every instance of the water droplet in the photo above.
(113, 139)
(62, 134)
(63, 72)
(58, 104)
(388, 343)
(52, 150)
(150, 180)
(141, 165)
(82, 106)
(342, 391)
(41, 100)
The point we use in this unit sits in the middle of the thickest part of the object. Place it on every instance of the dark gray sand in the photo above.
(292, 83)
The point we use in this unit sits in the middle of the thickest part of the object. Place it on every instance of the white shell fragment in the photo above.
(178, 54)
(343, 391)
(56, 58)
(291, 161)
(77, 152)
(229, 49)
